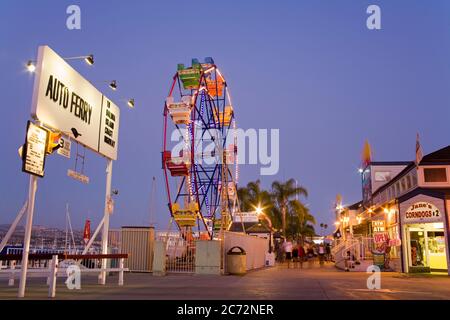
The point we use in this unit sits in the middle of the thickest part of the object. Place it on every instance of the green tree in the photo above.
(253, 196)
(300, 220)
(282, 193)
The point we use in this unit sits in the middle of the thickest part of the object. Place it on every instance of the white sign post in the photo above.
(106, 215)
(64, 101)
(27, 237)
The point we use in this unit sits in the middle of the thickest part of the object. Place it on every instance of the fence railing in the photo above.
(361, 247)
(52, 266)
(180, 256)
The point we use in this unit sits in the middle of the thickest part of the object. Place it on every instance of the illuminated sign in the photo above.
(378, 226)
(422, 212)
(33, 156)
(67, 102)
(245, 217)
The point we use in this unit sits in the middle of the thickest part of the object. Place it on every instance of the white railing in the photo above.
(360, 247)
(50, 266)
(180, 252)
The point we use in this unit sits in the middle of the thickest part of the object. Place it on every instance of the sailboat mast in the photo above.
(152, 202)
(67, 230)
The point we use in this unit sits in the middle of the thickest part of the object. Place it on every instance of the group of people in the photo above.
(296, 254)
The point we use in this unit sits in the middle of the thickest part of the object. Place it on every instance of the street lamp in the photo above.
(260, 213)
(89, 59)
(130, 103)
(31, 67)
(113, 85)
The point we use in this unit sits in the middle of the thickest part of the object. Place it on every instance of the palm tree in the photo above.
(282, 194)
(301, 220)
(253, 196)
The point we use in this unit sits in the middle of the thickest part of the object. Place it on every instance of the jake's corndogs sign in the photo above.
(422, 212)
(65, 101)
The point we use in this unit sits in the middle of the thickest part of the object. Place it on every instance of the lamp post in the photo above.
(89, 59)
(260, 213)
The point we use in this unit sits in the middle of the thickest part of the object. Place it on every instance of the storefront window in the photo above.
(394, 234)
(427, 247)
(435, 174)
(436, 242)
(382, 176)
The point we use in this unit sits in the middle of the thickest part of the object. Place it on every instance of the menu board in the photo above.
(33, 157)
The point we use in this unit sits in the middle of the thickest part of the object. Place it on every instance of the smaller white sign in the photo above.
(34, 151)
(78, 176)
(64, 150)
(422, 212)
(245, 217)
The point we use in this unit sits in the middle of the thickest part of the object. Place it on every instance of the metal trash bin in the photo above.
(237, 261)
(270, 259)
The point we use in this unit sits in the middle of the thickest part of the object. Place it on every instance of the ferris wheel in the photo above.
(199, 157)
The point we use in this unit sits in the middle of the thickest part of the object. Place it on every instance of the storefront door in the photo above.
(426, 247)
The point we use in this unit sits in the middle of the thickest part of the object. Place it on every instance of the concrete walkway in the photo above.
(271, 283)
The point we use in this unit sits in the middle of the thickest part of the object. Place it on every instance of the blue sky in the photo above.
(309, 68)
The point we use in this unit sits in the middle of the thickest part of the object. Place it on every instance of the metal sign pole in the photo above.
(27, 237)
(106, 219)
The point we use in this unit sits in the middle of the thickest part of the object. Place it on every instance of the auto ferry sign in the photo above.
(65, 101)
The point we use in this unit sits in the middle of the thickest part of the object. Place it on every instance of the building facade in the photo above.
(404, 213)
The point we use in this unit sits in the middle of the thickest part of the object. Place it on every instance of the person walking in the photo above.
(279, 251)
(328, 252)
(321, 252)
(287, 248)
(310, 255)
(295, 255)
(301, 255)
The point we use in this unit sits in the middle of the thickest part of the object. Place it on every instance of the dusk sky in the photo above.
(309, 68)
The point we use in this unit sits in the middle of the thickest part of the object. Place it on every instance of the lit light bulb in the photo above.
(31, 67)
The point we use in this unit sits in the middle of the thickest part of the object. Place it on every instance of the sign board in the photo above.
(33, 155)
(64, 150)
(246, 217)
(65, 101)
(78, 176)
(422, 212)
(380, 237)
(395, 242)
(378, 226)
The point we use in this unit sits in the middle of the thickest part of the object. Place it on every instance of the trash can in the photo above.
(236, 261)
(270, 259)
